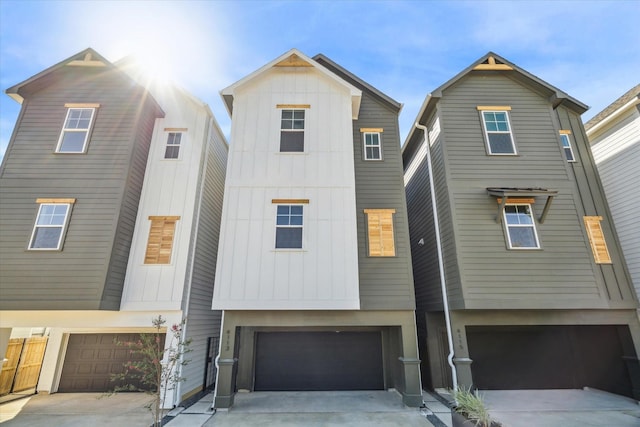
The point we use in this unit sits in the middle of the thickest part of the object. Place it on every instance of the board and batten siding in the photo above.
(386, 283)
(491, 275)
(616, 150)
(104, 181)
(251, 273)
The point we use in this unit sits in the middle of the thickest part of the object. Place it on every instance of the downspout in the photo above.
(443, 283)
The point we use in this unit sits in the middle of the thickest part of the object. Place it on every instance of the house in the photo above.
(534, 292)
(614, 134)
(111, 196)
(314, 270)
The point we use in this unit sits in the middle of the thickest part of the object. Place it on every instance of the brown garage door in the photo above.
(91, 359)
(318, 361)
(541, 357)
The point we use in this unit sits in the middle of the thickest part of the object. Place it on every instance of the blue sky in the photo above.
(590, 49)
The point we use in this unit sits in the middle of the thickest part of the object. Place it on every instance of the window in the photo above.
(521, 230)
(497, 130)
(172, 149)
(372, 144)
(289, 220)
(566, 145)
(380, 232)
(75, 132)
(160, 243)
(51, 222)
(292, 131)
(596, 239)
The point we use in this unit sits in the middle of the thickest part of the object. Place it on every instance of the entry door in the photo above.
(301, 361)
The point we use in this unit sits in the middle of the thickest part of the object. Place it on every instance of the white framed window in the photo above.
(51, 223)
(372, 146)
(566, 145)
(292, 130)
(289, 224)
(172, 149)
(520, 227)
(497, 130)
(75, 131)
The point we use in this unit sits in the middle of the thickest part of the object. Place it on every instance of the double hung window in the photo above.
(75, 131)
(51, 222)
(172, 150)
(520, 226)
(497, 130)
(372, 146)
(289, 222)
(566, 145)
(292, 130)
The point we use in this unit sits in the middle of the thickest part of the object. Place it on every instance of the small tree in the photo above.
(153, 367)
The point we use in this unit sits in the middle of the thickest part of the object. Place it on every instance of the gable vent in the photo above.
(492, 63)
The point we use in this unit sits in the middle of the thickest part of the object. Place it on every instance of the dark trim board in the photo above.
(304, 361)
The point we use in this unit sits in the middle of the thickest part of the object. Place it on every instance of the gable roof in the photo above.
(631, 97)
(292, 58)
(86, 58)
(492, 62)
(358, 82)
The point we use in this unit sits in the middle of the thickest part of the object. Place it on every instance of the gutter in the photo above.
(612, 116)
(443, 284)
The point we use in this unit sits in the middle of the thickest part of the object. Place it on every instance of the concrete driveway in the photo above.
(77, 410)
(562, 408)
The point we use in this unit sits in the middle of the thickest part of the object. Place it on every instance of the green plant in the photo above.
(471, 405)
(153, 367)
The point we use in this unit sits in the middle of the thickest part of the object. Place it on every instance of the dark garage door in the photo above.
(318, 361)
(91, 359)
(547, 357)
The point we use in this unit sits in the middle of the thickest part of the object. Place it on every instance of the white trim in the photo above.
(180, 144)
(71, 130)
(63, 227)
(378, 145)
(564, 136)
(532, 225)
(487, 132)
(300, 226)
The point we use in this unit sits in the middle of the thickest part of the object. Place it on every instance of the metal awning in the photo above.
(506, 192)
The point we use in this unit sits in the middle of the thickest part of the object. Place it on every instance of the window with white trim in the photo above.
(566, 145)
(172, 150)
(520, 227)
(372, 146)
(75, 131)
(292, 130)
(289, 223)
(51, 223)
(497, 131)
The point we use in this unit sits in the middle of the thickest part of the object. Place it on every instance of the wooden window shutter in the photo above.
(380, 232)
(596, 238)
(160, 241)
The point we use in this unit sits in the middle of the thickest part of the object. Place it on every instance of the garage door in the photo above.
(318, 361)
(543, 357)
(91, 359)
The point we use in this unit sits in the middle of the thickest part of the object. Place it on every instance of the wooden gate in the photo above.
(10, 367)
(22, 370)
(30, 363)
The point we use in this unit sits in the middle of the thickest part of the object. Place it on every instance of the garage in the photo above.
(551, 357)
(305, 361)
(91, 359)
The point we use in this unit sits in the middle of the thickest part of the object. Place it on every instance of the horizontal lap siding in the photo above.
(385, 282)
(75, 277)
(561, 274)
(203, 322)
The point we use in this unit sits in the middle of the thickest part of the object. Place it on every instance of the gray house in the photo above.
(314, 273)
(534, 291)
(110, 202)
